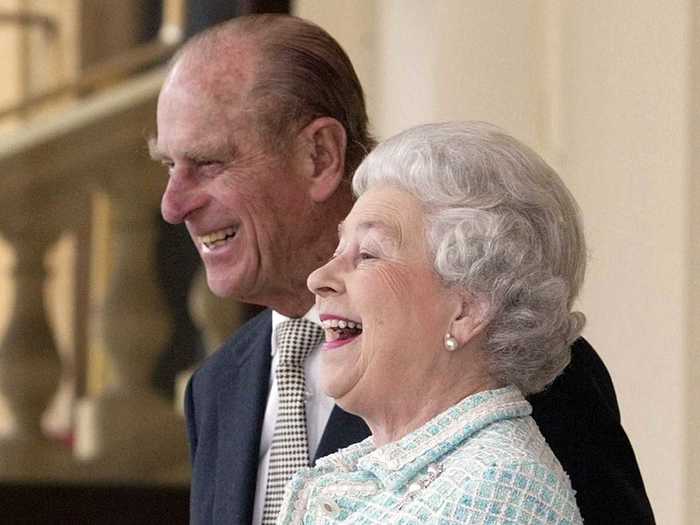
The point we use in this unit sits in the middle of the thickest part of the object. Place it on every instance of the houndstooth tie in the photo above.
(289, 451)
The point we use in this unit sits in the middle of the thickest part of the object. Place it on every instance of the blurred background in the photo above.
(103, 309)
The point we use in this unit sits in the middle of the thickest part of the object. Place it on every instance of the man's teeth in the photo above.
(217, 237)
(341, 329)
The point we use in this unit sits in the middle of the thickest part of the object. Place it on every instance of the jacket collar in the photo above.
(397, 463)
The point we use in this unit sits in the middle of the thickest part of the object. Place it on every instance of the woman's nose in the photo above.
(328, 279)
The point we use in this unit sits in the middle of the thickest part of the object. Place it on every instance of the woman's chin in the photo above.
(341, 391)
(332, 389)
(341, 369)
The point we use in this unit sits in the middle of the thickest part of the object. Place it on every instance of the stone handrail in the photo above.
(102, 74)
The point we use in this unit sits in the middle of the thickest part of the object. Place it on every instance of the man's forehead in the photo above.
(218, 67)
(206, 103)
(209, 82)
(190, 95)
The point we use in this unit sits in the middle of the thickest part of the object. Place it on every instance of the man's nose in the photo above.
(180, 198)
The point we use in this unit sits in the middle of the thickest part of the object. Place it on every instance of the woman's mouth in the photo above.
(339, 331)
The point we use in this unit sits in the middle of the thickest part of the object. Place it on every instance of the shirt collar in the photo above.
(397, 463)
(278, 318)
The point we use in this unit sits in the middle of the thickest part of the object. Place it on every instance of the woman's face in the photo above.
(384, 309)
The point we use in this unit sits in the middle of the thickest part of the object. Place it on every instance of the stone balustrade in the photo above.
(54, 170)
(123, 430)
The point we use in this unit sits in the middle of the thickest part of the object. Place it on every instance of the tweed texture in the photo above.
(483, 461)
(289, 450)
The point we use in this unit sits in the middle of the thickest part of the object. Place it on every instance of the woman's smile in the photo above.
(339, 331)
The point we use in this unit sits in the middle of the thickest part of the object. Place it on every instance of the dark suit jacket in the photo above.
(225, 406)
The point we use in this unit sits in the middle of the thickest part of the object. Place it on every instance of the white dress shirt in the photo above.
(318, 410)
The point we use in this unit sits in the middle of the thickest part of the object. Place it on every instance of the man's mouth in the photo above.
(340, 329)
(218, 238)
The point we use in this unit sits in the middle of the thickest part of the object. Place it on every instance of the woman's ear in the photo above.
(471, 319)
(324, 142)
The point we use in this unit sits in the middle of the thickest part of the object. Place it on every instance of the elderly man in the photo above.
(261, 123)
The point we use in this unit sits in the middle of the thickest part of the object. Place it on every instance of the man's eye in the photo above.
(209, 168)
(168, 164)
(364, 256)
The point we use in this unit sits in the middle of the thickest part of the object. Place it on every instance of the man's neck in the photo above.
(294, 306)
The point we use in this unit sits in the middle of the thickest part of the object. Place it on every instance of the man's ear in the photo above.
(470, 320)
(323, 141)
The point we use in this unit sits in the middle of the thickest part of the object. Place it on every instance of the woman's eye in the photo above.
(366, 256)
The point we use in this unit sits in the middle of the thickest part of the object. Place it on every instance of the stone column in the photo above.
(29, 363)
(128, 428)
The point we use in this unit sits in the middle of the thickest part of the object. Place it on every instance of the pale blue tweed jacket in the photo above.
(482, 461)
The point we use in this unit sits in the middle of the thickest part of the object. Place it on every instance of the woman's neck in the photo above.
(399, 417)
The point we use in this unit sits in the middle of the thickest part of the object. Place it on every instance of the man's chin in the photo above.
(225, 288)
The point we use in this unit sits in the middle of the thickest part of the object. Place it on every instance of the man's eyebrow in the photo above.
(155, 153)
(196, 153)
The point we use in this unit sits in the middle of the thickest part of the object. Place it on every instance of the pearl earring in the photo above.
(451, 343)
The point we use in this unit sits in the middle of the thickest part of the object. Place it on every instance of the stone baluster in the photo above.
(127, 428)
(216, 318)
(29, 363)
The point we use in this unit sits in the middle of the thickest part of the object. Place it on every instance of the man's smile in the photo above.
(216, 239)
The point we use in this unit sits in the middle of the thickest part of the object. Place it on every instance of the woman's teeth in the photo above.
(341, 323)
(341, 329)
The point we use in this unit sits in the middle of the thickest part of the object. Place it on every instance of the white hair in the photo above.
(502, 226)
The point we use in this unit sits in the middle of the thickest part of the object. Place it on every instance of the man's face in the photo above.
(246, 209)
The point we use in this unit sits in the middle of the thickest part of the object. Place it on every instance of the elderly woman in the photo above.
(448, 299)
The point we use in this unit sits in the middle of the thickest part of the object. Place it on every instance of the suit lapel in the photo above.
(342, 430)
(242, 400)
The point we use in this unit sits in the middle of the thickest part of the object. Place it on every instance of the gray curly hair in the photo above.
(502, 226)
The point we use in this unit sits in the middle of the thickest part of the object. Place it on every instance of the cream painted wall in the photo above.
(606, 92)
(626, 107)
(693, 238)
(430, 67)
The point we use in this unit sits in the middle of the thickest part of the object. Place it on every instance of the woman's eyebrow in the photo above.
(389, 229)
